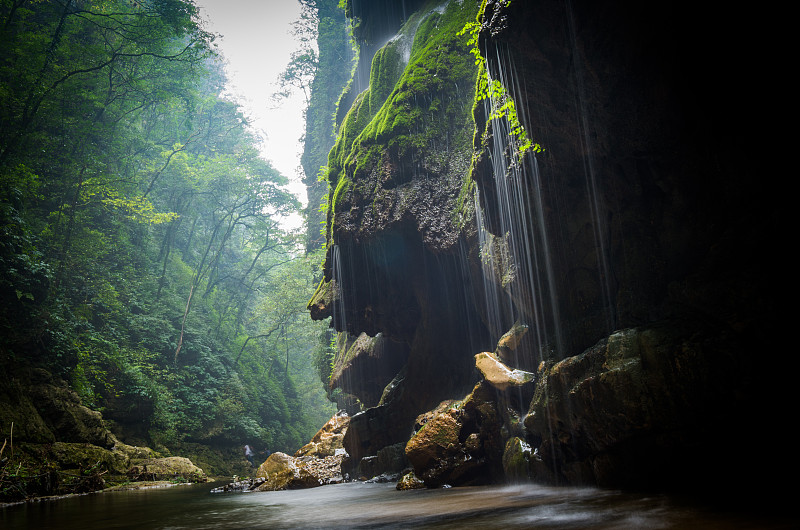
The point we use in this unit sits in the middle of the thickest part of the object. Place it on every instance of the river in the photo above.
(374, 505)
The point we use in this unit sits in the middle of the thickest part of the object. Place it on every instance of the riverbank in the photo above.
(115, 487)
(129, 486)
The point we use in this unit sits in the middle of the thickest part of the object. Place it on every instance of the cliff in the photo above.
(632, 245)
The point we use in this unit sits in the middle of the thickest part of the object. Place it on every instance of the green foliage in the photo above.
(492, 90)
(333, 69)
(406, 111)
(141, 253)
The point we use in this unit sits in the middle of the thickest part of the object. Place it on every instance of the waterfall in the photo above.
(596, 207)
(516, 254)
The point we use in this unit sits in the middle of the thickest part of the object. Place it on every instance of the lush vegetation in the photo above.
(407, 109)
(142, 256)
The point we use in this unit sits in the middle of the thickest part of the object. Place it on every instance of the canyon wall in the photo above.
(647, 295)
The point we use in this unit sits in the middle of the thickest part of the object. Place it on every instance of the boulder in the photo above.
(461, 445)
(169, 468)
(510, 340)
(516, 456)
(498, 374)
(328, 440)
(410, 481)
(83, 456)
(365, 365)
(645, 407)
(281, 472)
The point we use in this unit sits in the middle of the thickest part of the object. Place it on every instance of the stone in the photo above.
(281, 472)
(644, 407)
(510, 340)
(515, 459)
(168, 468)
(328, 440)
(500, 375)
(366, 365)
(410, 481)
(461, 444)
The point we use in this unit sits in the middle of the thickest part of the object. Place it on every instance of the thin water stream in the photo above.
(370, 505)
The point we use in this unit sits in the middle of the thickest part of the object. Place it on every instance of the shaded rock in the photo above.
(85, 456)
(368, 433)
(44, 409)
(510, 340)
(366, 365)
(389, 460)
(516, 456)
(425, 417)
(248, 484)
(646, 407)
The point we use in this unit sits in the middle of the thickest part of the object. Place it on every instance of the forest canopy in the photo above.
(142, 254)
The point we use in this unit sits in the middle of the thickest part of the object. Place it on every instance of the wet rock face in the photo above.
(642, 172)
(399, 227)
(642, 407)
(651, 217)
(645, 199)
(367, 366)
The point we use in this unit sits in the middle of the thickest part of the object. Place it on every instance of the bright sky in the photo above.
(257, 45)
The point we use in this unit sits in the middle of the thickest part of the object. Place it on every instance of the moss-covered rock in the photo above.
(633, 408)
(396, 222)
(516, 456)
(43, 409)
(170, 468)
(410, 481)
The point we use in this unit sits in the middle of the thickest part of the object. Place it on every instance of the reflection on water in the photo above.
(366, 505)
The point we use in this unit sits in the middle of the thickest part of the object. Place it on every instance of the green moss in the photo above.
(408, 112)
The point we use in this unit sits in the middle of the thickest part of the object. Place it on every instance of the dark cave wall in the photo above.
(640, 97)
(643, 99)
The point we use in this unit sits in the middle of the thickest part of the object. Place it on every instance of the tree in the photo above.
(141, 234)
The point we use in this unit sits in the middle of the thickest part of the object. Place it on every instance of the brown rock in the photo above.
(328, 439)
(462, 444)
(498, 374)
(281, 471)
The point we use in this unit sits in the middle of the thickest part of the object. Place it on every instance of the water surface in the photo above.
(369, 505)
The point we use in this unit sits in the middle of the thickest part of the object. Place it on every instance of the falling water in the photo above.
(517, 257)
(339, 315)
(590, 172)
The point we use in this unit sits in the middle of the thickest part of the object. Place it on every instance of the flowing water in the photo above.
(374, 505)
